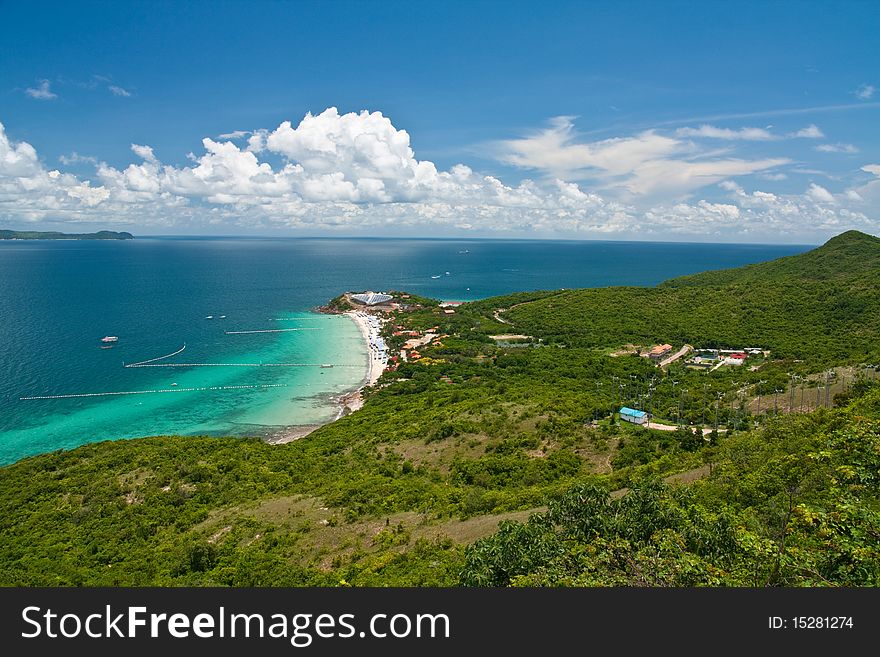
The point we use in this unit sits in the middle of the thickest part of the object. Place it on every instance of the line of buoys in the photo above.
(271, 331)
(153, 360)
(237, 365)
(151, 392)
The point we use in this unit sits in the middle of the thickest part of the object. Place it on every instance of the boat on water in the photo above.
(326, 365)
(210, 317)
(437, 276)
(222, 316)
(447, 273)
(109, 338)
(465, 251)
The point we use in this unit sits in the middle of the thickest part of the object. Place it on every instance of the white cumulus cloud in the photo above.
(712, 132)
(812, 131)
(358, 172)
(76, 158)
(836, 148)
(865, 92)
(645, 164)
(42, 91)
(820, 194)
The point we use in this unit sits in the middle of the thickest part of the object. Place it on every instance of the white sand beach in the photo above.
(370, 325)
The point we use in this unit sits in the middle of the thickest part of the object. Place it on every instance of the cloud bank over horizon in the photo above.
(356, 173)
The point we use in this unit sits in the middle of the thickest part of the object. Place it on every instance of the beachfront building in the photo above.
(659, 351)
(633, 415)
(371, 298)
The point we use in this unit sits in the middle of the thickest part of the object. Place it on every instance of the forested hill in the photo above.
(822, 306)
(851, 255)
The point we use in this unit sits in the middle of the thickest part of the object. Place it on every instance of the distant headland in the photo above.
(53, 235)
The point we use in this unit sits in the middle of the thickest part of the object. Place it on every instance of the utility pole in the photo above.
(614, 410)
(681, 406)
(678, 412)
(703, 417)
(739, 408)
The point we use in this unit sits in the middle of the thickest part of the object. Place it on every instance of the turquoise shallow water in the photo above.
(58, 298)
(209, 400)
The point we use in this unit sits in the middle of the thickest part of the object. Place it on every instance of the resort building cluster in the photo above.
(712, 359)
(372, 310)
(703, 359)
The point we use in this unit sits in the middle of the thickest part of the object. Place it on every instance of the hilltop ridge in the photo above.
(852, 253)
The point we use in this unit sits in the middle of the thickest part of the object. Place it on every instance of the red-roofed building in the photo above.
(659, 351)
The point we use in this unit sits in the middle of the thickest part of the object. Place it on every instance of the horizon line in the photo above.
(439, 238)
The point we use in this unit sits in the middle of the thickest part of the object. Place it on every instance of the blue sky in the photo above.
(612, 120)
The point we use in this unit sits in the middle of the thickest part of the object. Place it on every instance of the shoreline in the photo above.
(349, 402)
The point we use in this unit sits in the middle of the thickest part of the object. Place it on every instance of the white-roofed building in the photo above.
(372, 298)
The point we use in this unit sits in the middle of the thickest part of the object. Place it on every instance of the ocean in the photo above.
(59, 298)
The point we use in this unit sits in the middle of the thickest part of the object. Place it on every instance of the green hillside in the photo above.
(794, 504)
(845, 256)
(410, 490)
(822, 306)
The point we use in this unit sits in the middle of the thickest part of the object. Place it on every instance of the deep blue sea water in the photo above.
(58, 298)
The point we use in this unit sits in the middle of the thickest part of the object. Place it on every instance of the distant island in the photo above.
(54, 235)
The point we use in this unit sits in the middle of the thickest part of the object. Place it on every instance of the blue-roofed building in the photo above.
(633, 415)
